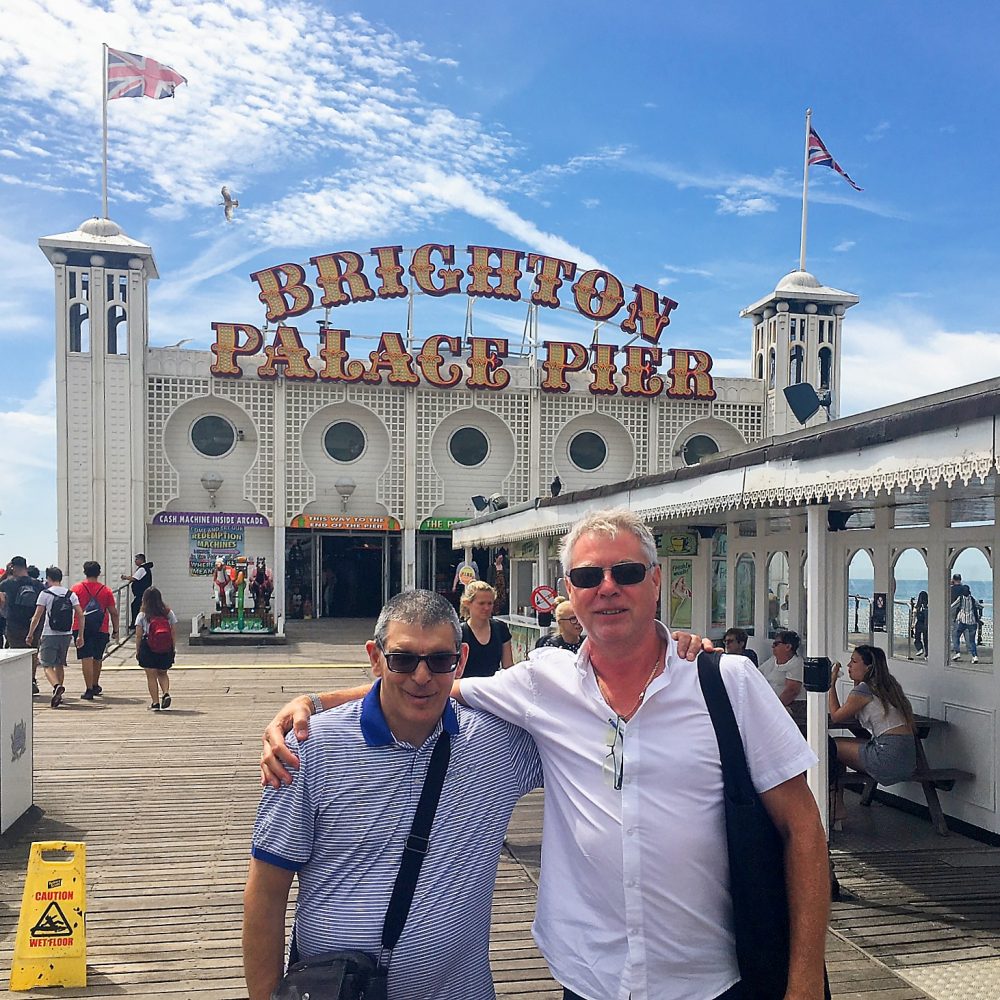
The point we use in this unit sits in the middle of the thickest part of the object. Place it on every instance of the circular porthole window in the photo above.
(699, 447)
(588, 451)
(213, 436)
(469, 446)
(344, 441)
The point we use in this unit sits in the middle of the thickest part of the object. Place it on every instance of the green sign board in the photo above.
(441, 523)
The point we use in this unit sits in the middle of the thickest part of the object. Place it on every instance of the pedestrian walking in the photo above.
(155, 646)
(60, 616)
(18, 597)
(100, 625)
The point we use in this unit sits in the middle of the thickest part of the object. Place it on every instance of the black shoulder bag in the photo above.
(756, 855)
(356, 975)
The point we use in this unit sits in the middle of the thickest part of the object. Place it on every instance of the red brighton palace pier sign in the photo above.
(492, 273)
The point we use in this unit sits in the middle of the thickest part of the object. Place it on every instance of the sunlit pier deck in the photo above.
(165, 803)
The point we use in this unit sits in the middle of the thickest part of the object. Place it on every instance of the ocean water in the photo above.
(982, 590)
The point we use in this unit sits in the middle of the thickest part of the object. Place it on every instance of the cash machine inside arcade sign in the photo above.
(344, 277)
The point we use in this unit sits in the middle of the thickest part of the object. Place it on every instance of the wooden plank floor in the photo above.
(165, 803)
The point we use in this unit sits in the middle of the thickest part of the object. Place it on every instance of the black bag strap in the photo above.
(417, 844)
(735, 773)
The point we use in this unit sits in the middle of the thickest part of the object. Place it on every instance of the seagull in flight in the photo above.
(229, 203)
(180, 343)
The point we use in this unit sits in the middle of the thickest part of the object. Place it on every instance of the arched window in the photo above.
(907, 625)
(796, 365)
(976, 572)
(777, 592)
(770, 369)
(746, 582)
(825, 368)
(860, 590)
(760, 365)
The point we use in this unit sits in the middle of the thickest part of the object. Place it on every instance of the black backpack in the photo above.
(93, 616)
(60, 611)
(27, 596)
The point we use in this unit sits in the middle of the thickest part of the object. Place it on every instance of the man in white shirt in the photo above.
(633, 901)
(784, 672)
(56, 640)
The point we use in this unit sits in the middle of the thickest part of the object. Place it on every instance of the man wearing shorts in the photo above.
(91, 651)
(18, 605)
(55, 643)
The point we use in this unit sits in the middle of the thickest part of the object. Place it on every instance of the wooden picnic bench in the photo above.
(929, 778)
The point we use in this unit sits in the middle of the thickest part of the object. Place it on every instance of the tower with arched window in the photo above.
(796, 338)
(101, 320)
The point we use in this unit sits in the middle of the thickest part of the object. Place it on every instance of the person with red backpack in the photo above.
(155, 646)
(100, 625)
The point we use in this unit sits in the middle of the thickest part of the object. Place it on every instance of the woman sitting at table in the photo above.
(488, 639)
(879, 704)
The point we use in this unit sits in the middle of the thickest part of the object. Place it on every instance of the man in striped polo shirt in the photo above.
(341, 826)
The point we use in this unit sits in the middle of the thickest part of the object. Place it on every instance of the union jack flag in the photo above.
(130, 75)
(819, 154)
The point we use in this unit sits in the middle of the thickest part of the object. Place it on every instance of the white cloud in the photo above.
(28, 453)
(844, 245)
(591, 202)
(877, 134)
(740, 188)
(697, 271)
(922, 357)
(735, 202)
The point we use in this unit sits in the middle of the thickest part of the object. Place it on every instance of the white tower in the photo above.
(796, 338)
(102, 318)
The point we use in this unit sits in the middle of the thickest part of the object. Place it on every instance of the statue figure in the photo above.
(222, 585)
(261, 586)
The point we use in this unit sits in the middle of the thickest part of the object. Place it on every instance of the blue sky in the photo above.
(661, 140)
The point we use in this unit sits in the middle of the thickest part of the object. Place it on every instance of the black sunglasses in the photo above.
(625, 574)
(407, 663)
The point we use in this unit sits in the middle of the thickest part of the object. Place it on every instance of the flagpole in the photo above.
(805, 193)
(104, 123)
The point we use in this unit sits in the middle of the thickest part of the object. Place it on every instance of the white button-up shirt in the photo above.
(634, 900)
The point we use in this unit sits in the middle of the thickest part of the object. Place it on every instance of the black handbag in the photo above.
(356, 975)
(756, 855)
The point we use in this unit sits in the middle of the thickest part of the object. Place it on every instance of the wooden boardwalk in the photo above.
(165, 803)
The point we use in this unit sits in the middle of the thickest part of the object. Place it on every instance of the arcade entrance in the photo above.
(340, 574)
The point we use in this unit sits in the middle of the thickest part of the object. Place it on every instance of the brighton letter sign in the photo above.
(490, 272)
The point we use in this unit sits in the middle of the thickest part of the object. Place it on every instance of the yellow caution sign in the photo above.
(51, 944)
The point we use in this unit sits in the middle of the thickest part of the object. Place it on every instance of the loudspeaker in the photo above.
(802, 400)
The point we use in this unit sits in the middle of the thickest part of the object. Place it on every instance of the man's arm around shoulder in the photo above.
(265, 900)
(793, 811)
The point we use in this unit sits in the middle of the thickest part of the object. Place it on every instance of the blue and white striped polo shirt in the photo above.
(342, 823)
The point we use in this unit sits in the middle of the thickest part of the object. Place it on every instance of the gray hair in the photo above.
(422, 608)
(607, 522)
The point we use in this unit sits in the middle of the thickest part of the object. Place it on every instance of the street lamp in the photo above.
(212, 483)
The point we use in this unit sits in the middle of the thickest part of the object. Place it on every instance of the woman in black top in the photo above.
(489, 640)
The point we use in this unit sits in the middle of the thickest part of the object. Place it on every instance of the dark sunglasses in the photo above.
(407, 663)
(625, 574)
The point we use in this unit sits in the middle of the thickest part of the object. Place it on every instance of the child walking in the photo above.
(155, 646)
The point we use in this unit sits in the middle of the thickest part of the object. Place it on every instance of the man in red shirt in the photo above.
(101, 600)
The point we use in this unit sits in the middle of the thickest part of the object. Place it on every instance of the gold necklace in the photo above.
(642, 694)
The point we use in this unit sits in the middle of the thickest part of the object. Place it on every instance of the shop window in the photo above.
(344, 441)
(860, 591)
(746, 582)
(908, 625)
(469, 446)
(697, 448)
(777, 592)
(213, 436)
(588, 451)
